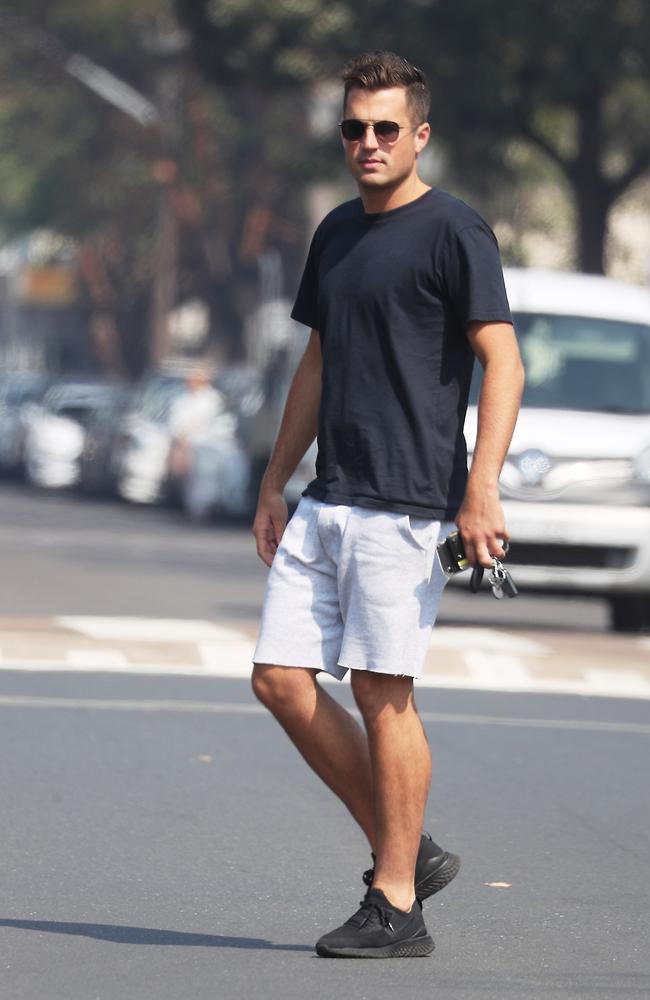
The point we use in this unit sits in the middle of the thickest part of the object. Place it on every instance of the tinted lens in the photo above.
(353, 129)
(388, 131)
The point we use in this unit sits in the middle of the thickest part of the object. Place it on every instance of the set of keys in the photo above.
(499, 579)
(501, 582)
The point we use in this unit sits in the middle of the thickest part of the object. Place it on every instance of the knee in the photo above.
(378, 695)
(278, 687)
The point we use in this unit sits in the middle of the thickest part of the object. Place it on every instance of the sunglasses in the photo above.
(354, 129)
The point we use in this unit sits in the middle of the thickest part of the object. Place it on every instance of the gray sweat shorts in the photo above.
(352, 588)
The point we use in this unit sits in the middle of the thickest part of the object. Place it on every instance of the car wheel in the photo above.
(630, 612)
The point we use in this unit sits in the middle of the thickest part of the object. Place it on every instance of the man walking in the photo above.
(402, 289)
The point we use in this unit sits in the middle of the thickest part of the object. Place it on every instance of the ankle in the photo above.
(397, 895)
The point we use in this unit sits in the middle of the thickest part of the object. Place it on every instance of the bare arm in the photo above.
(297, 431)
(480, 519)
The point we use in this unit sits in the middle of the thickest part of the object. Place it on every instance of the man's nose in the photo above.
(369, 139)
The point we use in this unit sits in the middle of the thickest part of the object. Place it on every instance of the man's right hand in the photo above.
(270, 521)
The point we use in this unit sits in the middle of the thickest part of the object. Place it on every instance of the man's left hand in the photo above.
(482, 527)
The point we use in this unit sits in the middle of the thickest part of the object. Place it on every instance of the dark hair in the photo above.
(377, 70)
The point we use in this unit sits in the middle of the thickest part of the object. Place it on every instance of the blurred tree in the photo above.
(160, 214)
(263, 57)
(571, 79)
(74, 163)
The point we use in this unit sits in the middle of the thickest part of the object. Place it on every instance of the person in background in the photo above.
(191, 414)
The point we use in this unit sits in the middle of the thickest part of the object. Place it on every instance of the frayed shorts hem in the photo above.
(339, 672)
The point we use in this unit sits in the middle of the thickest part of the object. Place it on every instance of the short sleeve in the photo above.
(305, 309)
(473, 276)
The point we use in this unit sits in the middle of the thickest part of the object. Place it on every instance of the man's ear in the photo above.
(422, 136)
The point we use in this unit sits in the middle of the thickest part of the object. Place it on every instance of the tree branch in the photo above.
(617, 185)
(539, 140)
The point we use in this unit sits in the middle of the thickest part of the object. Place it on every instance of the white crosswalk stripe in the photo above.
(459, 657)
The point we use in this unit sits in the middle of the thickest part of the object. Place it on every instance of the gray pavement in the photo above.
(162, 839)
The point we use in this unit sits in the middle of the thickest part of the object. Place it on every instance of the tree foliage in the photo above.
(223, 178)
(571, 79)
(74, 163)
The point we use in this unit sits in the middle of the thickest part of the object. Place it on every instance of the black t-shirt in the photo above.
(391, 295)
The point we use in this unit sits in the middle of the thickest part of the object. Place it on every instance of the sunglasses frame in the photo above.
(374, 125)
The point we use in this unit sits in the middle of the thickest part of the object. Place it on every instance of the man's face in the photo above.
(373, 162)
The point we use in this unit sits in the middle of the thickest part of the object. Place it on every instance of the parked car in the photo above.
(143, 442)
(98, 460)
(576, 482)
(242, 389)
(17, 391)
(55, 430)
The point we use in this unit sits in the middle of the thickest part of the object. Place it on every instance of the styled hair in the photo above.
(378, 70)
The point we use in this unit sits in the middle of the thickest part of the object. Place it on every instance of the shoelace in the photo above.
(377, 909)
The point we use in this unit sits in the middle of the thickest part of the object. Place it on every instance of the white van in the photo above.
(576, 483)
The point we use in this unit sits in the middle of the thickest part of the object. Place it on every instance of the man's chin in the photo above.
(373, 180)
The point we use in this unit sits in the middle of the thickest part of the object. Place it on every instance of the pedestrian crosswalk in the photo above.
(461, 657)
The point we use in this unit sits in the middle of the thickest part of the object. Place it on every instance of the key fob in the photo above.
(508, 586)
(501, 582)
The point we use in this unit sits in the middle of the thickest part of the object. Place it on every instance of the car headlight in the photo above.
(642, 465)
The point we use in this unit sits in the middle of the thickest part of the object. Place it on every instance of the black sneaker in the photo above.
(434, 868)
(378, 930)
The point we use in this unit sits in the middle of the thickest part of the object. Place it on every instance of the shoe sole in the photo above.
(410, 948)
(443, 873)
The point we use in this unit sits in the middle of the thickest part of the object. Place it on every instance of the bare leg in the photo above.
(329, 739)
(401, 766)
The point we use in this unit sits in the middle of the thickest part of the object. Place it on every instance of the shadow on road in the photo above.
(149, 935)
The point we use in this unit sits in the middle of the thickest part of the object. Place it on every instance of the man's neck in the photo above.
(376, 200)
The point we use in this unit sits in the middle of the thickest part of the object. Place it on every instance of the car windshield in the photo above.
(24, 392)
(87, 396)
(578, 363)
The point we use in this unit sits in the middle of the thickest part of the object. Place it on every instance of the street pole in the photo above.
(165, 43)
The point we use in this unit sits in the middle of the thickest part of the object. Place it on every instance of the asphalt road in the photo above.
(162, 839)
(69, 556)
